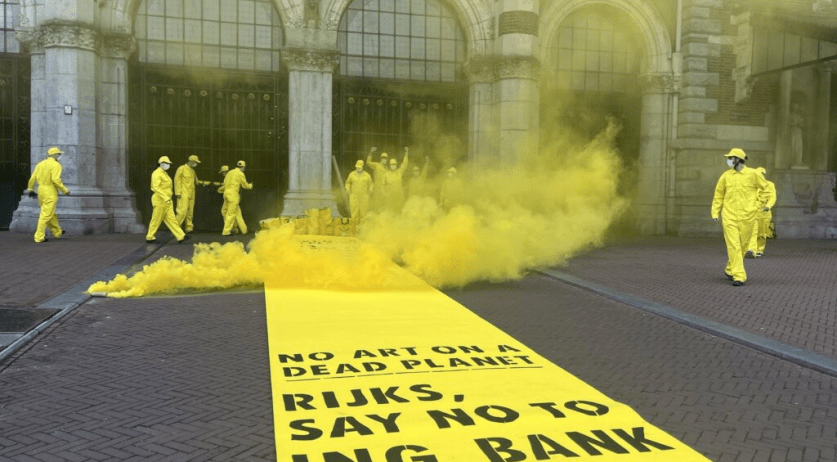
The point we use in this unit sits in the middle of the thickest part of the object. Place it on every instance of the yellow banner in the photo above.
(411, 375)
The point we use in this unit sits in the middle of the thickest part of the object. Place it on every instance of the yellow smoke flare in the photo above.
(539, 212)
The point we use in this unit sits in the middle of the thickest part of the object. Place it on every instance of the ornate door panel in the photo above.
(432, 119)
(222, 117)
(15, 162)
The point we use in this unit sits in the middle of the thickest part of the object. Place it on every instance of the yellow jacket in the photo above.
(737, 193)
(234, 181)
(185, 180)
(48, 175)
(357, 185)
(161, 186)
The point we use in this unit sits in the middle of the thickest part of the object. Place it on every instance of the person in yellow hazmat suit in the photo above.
(161, 186)
(224, 170)
(761, 228)
(358, 188)
(185, 180)
(392, 183)
(233, 182)
(736, 203)
(417, 183)
(378, 170)
(452, 192)
(48, 175)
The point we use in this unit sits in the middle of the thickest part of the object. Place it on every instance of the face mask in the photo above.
(359, 171)
(393, 167)
(731, 162)
(164, 166)
(58, 158)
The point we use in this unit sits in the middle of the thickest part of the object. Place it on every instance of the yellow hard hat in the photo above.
(224, 168)
(359, 164)
(383, 154)
(163, 159)
(393, 161)
(452, 170)
(194, 159)
(54, 151)
(736, 152)
(241, 163)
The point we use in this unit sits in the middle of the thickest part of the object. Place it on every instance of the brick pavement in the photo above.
(790, 295)
(185, 378)
(33, 273)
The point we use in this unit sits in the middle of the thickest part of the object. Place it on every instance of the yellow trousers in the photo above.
(47, 218)
(233, 216)
(761, 228)
(737, 236)
(164, 213)
(186, 212)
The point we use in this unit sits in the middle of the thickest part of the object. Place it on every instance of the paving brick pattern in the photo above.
(177, 378)
(186, 378)
(728, 402)
(34, 273)
(790, 295)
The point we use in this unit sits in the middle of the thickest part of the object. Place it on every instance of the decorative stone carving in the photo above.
(660, 83)
(31, 40)
(305, 60)
(479, 70)
(522, 67)
(119, 46)
(71, 35)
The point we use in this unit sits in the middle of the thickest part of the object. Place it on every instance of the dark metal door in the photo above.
(220, 116)
(432, 119)
(15, 162)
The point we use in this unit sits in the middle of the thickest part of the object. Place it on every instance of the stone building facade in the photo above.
(298, 88)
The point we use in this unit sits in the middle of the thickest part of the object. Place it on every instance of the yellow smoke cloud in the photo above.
(550, 206)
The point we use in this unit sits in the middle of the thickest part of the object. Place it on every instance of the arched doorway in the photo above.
(207, 80)
(400, 82)
(596, 61)
(15, 165)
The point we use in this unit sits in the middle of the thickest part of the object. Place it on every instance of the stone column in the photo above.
(66, 117)
(821, 122)
(309, 129)
(113, 134)
(481, 147)
(650, 202)
(516, 73)
(517, 106)
(784, 157)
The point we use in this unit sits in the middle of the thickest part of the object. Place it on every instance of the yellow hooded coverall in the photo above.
(233, 182)
(392, 185)
(48, 175)
(359, 187)
(378, 170)
(185, 180)
(767, 198)
(161, 186)
(737, 194)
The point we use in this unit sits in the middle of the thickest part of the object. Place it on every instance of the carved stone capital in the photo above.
(118, 46)
(480, 70)
(70, 35)
(306, 60)
(31, 40)
(660, 83)
(520, 67)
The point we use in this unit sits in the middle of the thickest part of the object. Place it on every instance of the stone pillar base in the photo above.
(805, 206)
(85, 211)
(297, 202)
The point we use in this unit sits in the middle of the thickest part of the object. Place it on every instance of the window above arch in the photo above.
(401, 39)
(9, 10)
(598, 50)
(229, 34)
